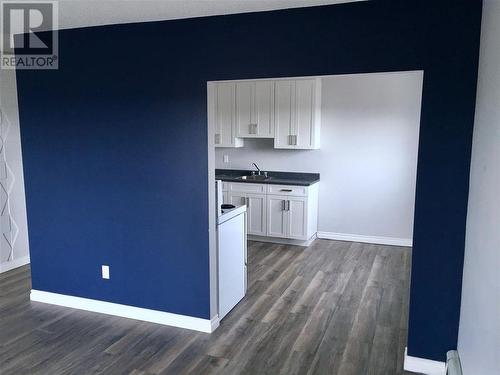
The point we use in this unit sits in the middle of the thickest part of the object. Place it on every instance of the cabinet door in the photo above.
(245, 93)
(263, 109)
(304, 113)
(255, 109)
(256, 214)
(283, 114)
(225, 114)
(225, 121)
(276, 218)
(237, 198)
(212, 111)
(296, 209)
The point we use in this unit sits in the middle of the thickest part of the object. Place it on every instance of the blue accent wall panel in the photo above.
(115, 145)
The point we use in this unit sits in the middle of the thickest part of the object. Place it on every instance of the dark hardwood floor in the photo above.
(332, 308)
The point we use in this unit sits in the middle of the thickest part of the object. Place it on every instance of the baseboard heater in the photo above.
(453, 366)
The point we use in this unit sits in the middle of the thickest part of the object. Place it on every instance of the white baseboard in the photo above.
(424, 366)
(407, 242)
(125, 311)
(285, 241)
(7, 266)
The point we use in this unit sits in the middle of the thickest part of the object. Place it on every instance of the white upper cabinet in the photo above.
(222, 113)
(255, 109)
(288, 110)
(297, 113)
(283, 119)
(307, 113)
(264, 108)
(244, 107)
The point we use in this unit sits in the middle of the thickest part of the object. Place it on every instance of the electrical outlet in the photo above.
(105, 272)
(226, 159)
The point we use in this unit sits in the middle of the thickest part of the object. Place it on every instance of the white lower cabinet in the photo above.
(256, 210)
(297, 218)
(287, 217)
(256, 207)
(237, 199)
(277, 210)
(276, 216)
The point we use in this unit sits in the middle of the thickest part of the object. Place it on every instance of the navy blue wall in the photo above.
(115, 156)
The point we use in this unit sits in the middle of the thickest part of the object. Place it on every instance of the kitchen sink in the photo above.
(256, 178)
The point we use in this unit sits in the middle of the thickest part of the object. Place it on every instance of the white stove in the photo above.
(231, 254)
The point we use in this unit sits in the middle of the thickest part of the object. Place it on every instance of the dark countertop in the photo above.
(276, 178)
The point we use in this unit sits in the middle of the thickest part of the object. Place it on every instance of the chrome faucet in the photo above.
(258, 169)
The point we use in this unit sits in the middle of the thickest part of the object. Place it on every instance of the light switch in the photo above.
(105, 272)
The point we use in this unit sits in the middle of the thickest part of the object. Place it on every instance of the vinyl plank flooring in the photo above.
(208, 365)
(331, 308)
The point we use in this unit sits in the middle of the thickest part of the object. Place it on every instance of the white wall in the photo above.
(14, 249)
(368, 155)
(479, 333)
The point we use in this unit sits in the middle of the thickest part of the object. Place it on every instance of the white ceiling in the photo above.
(81, 13)
(78, 13)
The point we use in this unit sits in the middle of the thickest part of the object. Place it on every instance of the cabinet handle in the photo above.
(217, 139)
(288, 205)
(283, 205)
(247, 202)
(290, 140)
(294, 140)
(288, 190)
